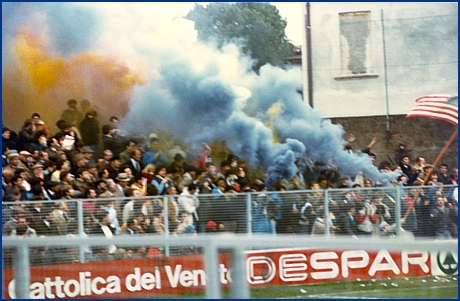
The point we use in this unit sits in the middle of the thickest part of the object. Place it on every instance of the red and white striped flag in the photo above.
(442, 107)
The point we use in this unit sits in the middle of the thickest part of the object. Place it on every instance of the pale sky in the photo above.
(292, 11)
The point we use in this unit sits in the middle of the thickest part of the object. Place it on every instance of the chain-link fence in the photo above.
(428, 212)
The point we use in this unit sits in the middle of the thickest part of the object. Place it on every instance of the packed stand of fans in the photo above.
(124, 189)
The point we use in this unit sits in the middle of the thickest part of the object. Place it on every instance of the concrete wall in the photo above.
(422, 137)
(421, 50)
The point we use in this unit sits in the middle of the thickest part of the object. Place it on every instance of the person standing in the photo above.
(26, 136)
(89, 130)
(135, 163)
(71, 114)
(442, 219)
(109, 141)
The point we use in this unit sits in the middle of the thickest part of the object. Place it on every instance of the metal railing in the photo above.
(241, 213)
(233, 244)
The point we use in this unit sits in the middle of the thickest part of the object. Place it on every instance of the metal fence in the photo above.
(361, 213)
(233, 244)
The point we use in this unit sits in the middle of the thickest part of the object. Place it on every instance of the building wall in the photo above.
(421, 52)
(421, 137)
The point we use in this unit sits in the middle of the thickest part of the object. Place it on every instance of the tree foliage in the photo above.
(256, 27)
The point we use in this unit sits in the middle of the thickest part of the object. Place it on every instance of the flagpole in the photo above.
(438, 158)
(436, 161)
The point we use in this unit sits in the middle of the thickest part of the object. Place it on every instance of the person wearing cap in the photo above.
(122, 182)
(89, 130)
(88, 152)
(79, 162)
(27, 160)
(8, 171)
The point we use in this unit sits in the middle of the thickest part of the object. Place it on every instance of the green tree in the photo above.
(256, 27)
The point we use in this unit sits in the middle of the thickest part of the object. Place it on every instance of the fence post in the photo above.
(327, 231)
(166, 223)
(238, 287)
(249, 214)
(21, 272)
(81, 229)
(211, 260)
(398, 211)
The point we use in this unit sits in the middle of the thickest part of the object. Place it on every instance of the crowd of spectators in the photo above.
(125, 181)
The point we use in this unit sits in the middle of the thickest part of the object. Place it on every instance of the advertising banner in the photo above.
(140, 278)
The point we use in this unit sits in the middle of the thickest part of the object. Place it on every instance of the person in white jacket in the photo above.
(188, 202)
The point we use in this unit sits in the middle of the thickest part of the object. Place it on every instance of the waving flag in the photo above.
(443, 107)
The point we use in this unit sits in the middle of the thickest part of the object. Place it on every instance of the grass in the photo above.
(433, 287)
(396, 288)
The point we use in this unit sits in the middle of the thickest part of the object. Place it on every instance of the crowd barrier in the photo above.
(310, 214)
(229, 261)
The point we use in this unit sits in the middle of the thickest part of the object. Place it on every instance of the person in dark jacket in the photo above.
(345, 221)
(442, 219)
(26, 136)
(90, 130)
(109, 141)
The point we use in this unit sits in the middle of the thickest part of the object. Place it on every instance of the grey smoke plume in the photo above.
(190, 91)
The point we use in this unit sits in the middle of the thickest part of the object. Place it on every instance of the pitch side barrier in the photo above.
(294, 260)
(249, 261)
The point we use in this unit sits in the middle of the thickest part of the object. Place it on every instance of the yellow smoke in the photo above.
(42, 82)
(41, 70)
(273, 112)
